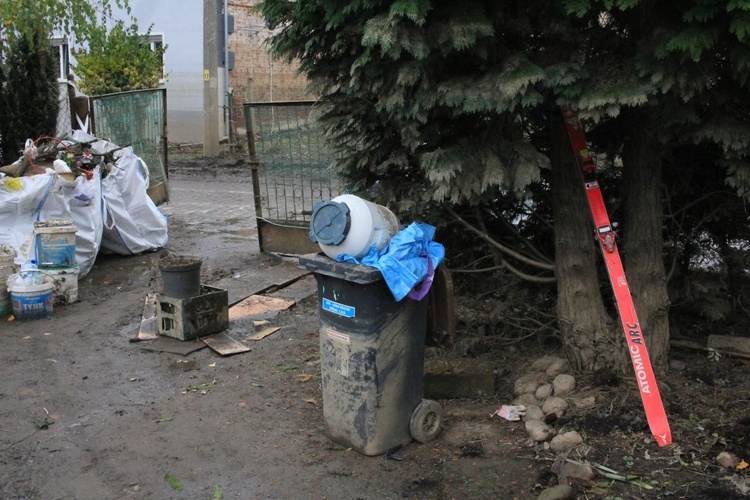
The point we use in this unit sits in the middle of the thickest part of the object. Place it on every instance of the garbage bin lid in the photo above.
(330, 222)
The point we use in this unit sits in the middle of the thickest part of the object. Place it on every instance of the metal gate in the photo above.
(291, 171)
(137, 118)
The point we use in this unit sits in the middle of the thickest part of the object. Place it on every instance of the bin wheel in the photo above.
(426, 421)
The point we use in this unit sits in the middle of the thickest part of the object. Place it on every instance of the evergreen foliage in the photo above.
(432, 101)
(424, 98)
(29, 96)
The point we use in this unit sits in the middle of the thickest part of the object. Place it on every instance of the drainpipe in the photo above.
(226, 70)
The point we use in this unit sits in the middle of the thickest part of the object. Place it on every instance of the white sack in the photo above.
(26, 200)
(84, 199)
(132, 223)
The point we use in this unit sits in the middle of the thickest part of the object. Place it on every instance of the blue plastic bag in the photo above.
(404, 262)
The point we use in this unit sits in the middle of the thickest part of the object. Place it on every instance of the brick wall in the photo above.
(272, 80)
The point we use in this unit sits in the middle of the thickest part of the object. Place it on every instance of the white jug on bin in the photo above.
(348, 224)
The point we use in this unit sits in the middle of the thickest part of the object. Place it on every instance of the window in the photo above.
(62, 54)
(156, 41)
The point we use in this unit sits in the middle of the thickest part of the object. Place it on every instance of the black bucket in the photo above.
(181, 276)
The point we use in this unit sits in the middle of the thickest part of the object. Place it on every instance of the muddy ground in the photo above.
(86, 413)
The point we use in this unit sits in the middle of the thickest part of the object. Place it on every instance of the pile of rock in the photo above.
(547, 393)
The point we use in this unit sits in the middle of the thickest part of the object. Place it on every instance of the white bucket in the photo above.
(7, 256)
(66, 284)
(31, 301)
(348, 224)
(55, 242)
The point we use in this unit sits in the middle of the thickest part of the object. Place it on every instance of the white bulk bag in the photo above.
(23, 201)
(84, 199)
(132, 223)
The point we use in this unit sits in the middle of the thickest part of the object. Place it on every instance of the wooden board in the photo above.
(298, 291)
(257, 281)
(148, 330)
(174, 346)
(224, 344)
(441, 312)
(729, 345)
(258, 307)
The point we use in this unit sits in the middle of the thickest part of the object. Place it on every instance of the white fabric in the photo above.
(84, 199)
(23, 201)
(133, 224)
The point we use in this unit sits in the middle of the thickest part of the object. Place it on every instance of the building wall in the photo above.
(183, 61)
(272, 80)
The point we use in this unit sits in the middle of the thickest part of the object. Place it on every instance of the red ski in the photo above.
(644, 374)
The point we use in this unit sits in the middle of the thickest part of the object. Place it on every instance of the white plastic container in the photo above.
(350, 225)
(55, 242)
(7, 256)
(31, 300)
(66, 284)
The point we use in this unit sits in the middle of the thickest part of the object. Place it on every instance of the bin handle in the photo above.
(419, 290)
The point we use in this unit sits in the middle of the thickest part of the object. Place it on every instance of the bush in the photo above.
(117, 60)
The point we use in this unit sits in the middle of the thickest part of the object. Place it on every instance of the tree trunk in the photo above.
(642, 237)
(589, 338)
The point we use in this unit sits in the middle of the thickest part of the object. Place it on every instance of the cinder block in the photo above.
(187, 319)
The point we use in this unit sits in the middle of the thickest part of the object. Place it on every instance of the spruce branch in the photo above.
(487, 238)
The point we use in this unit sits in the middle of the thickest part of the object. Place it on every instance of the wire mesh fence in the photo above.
(295, 166)
(137, 119)
(63, 125)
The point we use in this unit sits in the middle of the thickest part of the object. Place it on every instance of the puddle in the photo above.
(119, 269)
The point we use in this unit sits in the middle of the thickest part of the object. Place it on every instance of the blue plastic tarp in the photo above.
(403, 262)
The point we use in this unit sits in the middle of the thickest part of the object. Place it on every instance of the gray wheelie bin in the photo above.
(372, 359)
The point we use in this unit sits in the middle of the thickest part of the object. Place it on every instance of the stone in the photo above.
(585, 403)
(563, 384)
(677, 365)
(575, 472)
(543, 392)
(555, 405)
(543, 363)
(526, 400)
(727, 460)
(538, 430)
(533, 412)
(558, 367)
(566, 441)
(527, 384)
(557, 492)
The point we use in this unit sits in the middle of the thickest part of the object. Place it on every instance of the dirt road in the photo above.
(85, 413)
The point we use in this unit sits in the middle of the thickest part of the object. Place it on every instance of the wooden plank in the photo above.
(174, 346)
(224, 344)
(688, 344)
(299, 290)
(730, 345)
(257, 281)
(447, 378)
(148, 329)
(441, 312)
(265, 332)
(258, 307)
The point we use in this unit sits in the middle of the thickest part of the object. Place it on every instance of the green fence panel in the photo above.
(137, 119)
(295, 166)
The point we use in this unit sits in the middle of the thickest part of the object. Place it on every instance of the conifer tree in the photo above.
(431, 100)
(31, 96)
